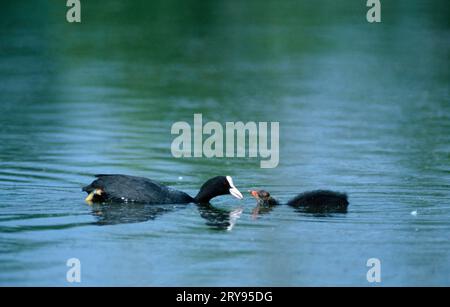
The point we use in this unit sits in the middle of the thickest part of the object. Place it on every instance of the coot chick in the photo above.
(124, 188)
(319, 200)
(265, 203)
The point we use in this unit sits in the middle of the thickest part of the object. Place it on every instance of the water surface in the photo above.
(363, 108)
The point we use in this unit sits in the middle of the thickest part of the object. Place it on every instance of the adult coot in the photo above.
(319, 200)
(123, 188)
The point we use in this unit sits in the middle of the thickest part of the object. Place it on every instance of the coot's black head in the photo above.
(263, 197)
(220, 185)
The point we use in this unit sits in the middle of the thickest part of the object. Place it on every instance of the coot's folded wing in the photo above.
(137, 189)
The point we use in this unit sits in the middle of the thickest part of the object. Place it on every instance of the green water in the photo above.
(363, 108)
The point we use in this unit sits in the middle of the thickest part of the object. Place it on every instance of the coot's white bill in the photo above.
(233, 190)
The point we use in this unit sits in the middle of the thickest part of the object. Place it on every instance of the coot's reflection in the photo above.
(219, 218)
(119, 213)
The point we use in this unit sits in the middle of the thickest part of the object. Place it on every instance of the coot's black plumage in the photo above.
(312, 200)
(124, 188)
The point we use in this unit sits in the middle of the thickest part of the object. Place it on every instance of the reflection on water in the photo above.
(259, 210)
(219, 218)
(363, 109)
(119, 213)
